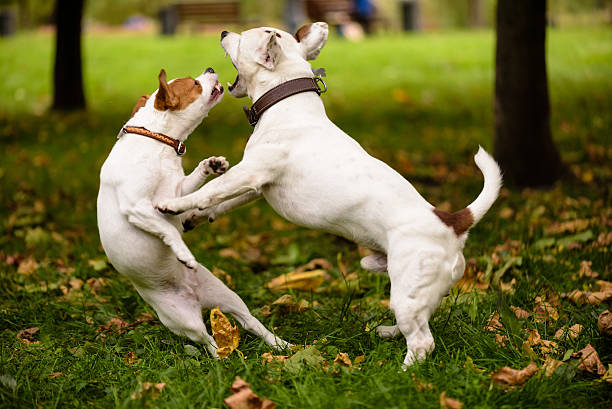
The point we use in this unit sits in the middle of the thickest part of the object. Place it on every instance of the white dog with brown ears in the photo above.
(145, 246)
(315, 175)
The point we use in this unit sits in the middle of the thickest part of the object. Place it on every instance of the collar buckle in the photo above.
(320, 80)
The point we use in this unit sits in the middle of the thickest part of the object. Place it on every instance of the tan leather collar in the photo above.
(178, 146)
(280, 92)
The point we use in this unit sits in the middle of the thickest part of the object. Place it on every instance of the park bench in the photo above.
(203, 12)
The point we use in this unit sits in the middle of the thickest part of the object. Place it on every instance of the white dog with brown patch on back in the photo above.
(145, 246)
(315, 175)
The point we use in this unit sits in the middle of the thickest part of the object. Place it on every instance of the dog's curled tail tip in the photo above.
(492, 184)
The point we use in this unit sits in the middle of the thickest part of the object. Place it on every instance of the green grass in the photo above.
(423, 104)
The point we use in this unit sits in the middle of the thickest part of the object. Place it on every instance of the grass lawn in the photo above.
(421, 103)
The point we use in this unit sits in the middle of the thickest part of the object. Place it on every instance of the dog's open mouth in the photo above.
(216, 91)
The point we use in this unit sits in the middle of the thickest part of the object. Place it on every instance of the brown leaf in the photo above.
(544, 311)
(343, 359)
(534, 339)
(448, 403)
(269, 358)
(550, 366)
(420, 384)
(27, 336)
(507, 376)
(131, 358)
(493, 324)
(571, 226)
(226, 335)
(501, 340)
(589, 361)
(243, 397)
(223, 276)
(605, 323)
(585, 270)
(315, 264)
(148, 389)
(302, 281)
(573, 331)
(56, 374)
(27, 266)
(96, 283)
(520, 313)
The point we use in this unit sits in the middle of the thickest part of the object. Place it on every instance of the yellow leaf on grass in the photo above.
(507, 376)
(148, 389)
(226, 335)
(448, 403)
(306, 281)
(27, 266)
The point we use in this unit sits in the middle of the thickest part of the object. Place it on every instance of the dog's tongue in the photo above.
(231, 86)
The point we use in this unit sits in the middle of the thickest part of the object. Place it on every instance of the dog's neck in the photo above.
(264, 81)
(165, 122)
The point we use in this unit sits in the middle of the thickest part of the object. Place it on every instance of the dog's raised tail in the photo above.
(463, 220)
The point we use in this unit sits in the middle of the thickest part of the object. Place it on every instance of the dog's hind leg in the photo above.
(180, 311)
(376, 262)
(390, 331)
(212, 292)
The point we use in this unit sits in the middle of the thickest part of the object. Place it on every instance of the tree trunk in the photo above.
(475, 13)
(523, 142)
(68, 92)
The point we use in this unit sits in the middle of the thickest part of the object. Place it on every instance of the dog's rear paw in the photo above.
(166, 208)
(390, 331)
(215, 164)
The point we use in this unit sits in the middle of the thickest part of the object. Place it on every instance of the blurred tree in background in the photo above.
(68, 92)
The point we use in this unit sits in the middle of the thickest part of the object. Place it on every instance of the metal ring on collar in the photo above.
(321, 91)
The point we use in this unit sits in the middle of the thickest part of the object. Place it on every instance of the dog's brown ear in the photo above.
(165, 98)
(312, 38)
(141, 102)
(269, 54)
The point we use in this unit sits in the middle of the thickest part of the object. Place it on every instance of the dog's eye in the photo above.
(196, 83)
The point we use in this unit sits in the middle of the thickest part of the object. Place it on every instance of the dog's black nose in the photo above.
(209, 70)
(224, 33)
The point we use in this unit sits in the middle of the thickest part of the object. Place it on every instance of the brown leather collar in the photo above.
(281, 92)
(178, 146)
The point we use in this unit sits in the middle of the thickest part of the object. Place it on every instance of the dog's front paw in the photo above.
(189, 262)
(167, 207)
(215, 164)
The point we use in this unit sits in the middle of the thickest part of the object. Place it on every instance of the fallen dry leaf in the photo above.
(226, 335)
(585, 270)
(343, 359)
(56, 374)
(148, 389)
(287, 303)
(315, 264)
(359, 359)
(507, 376)
(420, 384)
(448, 403)
(589, 361)
(27, 336)
(27, 266)
(223, 276)
(534, 339)
(571, 226)
(302, 281)
(544, 311)
(573, 331)
(520, 313)
(131, 358)
(96, 283)
(493, 324)
(501, 340)
(269, 358)
(605, 323)
(243, 397)
(594, 298)
(550, 366)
